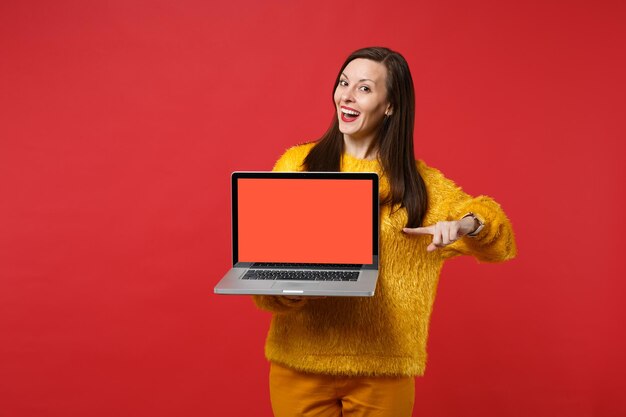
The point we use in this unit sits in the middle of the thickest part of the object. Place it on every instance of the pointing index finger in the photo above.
(424, 230)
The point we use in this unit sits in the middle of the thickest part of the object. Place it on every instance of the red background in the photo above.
(121, 121)
(309, 221)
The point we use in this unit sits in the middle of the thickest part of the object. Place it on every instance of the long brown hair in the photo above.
(394, 140)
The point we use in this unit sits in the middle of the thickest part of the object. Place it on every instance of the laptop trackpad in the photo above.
(295, 285)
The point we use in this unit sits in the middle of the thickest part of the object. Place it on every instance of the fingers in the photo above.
(444, 233)
(425, 230)
(453, 232)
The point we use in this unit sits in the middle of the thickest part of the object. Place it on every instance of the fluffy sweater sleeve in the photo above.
(289, 161)
(495, 242)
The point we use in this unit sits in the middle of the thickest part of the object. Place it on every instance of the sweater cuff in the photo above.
(494, 243)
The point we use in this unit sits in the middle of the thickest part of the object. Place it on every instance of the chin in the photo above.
(347, 131)
(350, 130)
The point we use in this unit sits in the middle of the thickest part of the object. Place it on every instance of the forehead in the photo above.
(361, 68)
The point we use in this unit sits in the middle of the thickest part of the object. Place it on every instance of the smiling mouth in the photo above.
(349, 115)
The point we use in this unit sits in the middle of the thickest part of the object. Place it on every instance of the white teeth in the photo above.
(350, 112)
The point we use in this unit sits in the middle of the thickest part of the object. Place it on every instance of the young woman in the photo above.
(357, 356)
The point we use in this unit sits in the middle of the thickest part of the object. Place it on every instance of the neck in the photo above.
(361, 148)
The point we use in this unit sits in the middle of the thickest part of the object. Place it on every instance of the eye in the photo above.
(343, 83)
(365, 88)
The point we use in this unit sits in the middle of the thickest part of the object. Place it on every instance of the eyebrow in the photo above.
(362, 79)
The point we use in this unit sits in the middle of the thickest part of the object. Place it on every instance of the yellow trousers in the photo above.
(298, 394)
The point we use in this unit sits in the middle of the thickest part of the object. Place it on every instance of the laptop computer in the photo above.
(303, 233)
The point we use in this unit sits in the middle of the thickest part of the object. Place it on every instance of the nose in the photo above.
(347, 96)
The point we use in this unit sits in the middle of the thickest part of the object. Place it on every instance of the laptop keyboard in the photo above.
(273, 274)
(337, 267)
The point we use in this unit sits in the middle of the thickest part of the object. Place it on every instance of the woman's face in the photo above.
(361, 98)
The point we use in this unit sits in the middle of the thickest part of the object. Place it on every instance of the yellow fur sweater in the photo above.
(385, 334)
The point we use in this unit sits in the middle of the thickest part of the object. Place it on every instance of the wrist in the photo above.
(473, 225)
(468, 225)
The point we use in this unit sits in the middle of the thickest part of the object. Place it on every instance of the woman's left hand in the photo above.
(444, 233)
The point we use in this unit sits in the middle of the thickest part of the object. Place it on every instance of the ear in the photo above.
(389, 110)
